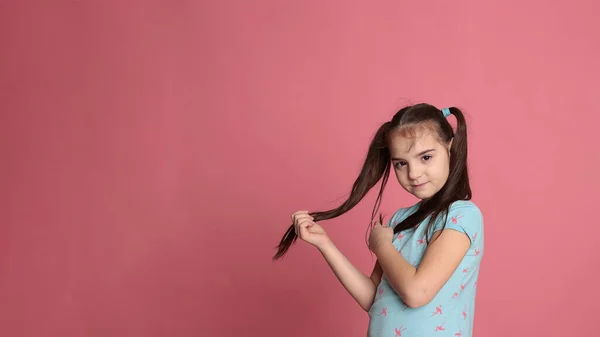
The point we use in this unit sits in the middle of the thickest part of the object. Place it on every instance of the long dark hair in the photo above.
(377, 166)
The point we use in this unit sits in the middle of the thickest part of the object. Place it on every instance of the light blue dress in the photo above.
(451, 311)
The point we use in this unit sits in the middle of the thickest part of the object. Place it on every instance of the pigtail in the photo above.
(459, 174)
(376, 165)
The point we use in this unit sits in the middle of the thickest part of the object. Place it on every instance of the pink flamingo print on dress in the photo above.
(400, 236)
(462, 287)
(466, 270)
(475, 236)
(475, 252)
(440, 327)
(383, 312)
(399, 330)
(380, 291)
(456, 218)
(455, 295)
(438, 311)
(458, 334)
(464, 313)
(421, 241)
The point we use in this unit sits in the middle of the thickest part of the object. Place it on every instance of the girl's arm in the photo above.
(418, 286)
(463, 230)
(360, 286)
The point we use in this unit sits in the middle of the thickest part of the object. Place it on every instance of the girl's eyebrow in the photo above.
(419, 154)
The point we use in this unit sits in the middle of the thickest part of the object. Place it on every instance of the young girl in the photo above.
(428, 255)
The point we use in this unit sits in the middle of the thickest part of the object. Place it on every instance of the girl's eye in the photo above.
(400, 164)
(426, 157)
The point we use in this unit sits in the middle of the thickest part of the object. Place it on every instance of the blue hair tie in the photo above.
(446, 112)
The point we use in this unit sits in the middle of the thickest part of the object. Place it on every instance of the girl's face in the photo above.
(421, 162)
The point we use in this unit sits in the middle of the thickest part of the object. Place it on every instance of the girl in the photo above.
(428, 255)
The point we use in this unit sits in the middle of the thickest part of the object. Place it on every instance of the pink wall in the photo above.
(151, 156)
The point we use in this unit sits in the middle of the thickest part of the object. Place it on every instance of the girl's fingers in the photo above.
(298, 217)
(298, 212)
(303, 226)
(303, 223)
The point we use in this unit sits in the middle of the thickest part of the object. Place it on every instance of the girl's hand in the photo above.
(308, 230)
(380, 235)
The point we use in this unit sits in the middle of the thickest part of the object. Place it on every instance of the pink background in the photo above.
(151, 155)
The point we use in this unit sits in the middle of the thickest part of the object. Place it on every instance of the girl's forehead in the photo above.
(412, 142)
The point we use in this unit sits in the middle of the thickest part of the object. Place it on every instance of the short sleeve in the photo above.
(465, 217)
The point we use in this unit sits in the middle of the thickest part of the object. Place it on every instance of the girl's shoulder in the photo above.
(467, 206)
(464, 216)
